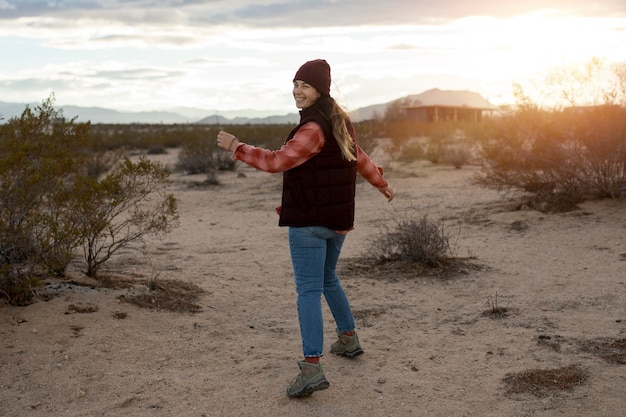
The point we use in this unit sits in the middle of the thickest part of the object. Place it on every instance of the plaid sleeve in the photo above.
(369, 170)
(307, 142)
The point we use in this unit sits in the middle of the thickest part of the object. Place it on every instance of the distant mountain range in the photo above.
(181, 115)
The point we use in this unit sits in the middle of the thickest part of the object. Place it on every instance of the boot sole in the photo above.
(351, 354)
(310, 389)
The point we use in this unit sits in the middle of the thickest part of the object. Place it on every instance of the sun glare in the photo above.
(545, 40)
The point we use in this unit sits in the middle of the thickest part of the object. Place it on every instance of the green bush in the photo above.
(53, 200)
(41, 154)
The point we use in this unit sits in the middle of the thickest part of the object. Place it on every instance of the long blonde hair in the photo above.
(340, 120)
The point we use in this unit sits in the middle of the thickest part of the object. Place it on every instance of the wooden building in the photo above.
(446, 105)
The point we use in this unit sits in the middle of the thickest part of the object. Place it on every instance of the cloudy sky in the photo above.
(232, 55)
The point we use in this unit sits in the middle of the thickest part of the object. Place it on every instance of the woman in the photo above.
(319, 161)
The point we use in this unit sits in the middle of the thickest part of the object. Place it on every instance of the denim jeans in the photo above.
(314, 254)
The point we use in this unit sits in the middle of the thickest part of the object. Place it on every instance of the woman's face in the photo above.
(305, 94)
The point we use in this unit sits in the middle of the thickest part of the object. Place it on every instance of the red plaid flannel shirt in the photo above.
(307, 142)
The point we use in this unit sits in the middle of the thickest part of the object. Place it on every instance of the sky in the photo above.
(234, 57)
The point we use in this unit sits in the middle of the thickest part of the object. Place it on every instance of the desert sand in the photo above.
(431, 349)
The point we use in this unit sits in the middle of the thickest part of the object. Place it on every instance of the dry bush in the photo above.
(117, 211)
(414, 240)
(443, 142)
(495, 311)
(100, 163)
(457, 155)
(409, 150)
(560, 158)
(224, 161)
(18, 287)
(434, 150)
(196, 157)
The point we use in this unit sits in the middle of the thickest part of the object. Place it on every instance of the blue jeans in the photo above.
(314, 254)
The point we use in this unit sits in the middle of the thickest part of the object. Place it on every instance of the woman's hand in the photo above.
(227, 141)
(388, 192)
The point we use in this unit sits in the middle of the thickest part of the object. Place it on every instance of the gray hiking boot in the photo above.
(348, 346)
(311, 379)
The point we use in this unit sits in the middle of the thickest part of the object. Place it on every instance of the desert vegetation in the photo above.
(68, 186)
(60, 198)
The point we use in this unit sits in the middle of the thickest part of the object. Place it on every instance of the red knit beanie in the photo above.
(316, 73)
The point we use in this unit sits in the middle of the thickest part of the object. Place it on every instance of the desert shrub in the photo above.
(434, 150)
(596, 144)
(559, 157)
(52, 199)
(117, 211)
(41, 154)
(200, 155)
(457, 155)
(442, 139)
(413, 240)
(99, 163)
(224, 161)
(408, 150)
(17, 286)
(151, 137)
(412, 140)
(197, 156)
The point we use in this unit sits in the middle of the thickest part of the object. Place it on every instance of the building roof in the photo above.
(448, 98)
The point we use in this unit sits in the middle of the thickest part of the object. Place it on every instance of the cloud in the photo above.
(232, 54)
(27, 85)
(294, 13)
(5, 5)
(138, 74)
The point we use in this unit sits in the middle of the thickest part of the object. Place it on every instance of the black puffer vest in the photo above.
(321, 191)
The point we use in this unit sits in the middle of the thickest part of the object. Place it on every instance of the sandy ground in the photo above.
(429, 350)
